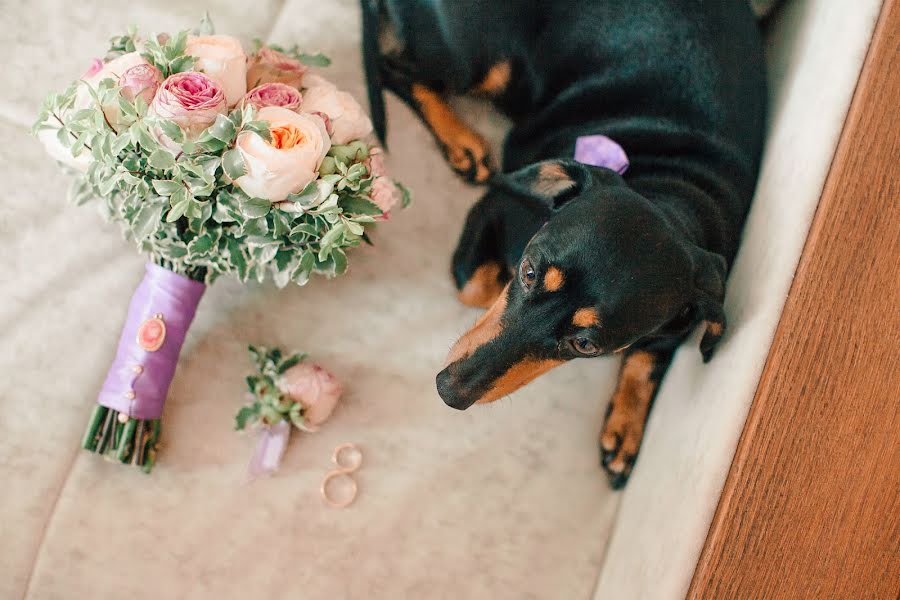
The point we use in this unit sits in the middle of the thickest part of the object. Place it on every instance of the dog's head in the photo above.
(607, 269)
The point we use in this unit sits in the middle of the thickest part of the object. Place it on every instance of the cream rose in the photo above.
(50, 139)
(348, 119)
(289, 161)
(223, 59)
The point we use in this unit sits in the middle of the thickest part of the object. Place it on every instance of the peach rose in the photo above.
(223, 59)
(348, 119)
(192, 100)
(315, 389)
(274, 94)
(289, 161)
(271, 66)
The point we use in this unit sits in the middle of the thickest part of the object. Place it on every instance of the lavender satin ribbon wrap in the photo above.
(270, 448)
(139, 379)
(601, 151)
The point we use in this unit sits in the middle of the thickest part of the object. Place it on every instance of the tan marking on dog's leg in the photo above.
(466, 151)
(552, 180)
(624, 427)
(485, 329)
(714, 328)
(553, 279)
(483, 288)
(496, 80)
(518, 375)
(586, 317)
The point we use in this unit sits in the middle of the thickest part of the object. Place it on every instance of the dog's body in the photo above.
(599, 262)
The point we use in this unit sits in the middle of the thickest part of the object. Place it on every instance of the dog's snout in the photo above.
(449, 391)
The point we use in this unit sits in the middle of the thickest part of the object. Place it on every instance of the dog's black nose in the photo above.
(449, 391)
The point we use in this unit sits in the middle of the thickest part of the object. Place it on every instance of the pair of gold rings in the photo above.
(348, 458)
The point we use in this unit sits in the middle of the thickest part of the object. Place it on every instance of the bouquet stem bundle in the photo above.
(119, 437)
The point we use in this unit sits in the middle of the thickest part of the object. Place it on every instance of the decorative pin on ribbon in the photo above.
(284, 391)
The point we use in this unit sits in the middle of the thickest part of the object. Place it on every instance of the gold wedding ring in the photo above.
(346, 464)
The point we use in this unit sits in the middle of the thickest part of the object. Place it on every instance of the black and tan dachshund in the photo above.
(574, 260)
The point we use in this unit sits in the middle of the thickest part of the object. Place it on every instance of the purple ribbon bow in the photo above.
(601, 151)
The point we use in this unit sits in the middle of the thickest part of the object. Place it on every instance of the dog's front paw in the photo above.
(620, 441)
(468, 155)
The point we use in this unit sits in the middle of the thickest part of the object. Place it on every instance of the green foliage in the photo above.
(181, 207)
(270, 404)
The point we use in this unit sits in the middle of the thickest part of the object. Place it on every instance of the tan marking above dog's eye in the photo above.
(586, 317)
(553, 279)
(552, 180)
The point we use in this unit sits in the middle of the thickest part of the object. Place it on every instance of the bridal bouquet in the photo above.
(214, 162)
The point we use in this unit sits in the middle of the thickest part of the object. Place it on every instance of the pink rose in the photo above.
(271, 66)
(385, 194)
(96, 67)
(274, 94)
(140, 81)
(375, 162)
(192, 100)
(325, 119)
(315, 389)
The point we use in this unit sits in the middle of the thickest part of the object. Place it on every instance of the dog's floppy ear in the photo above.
(710, 271)
(550, 182)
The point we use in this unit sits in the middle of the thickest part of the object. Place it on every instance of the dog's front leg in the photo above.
(626, 416)
(465, 150)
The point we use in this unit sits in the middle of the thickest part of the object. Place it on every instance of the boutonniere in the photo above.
(286, 390)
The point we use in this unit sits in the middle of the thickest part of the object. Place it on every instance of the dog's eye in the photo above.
(582, 345)
(527, 273)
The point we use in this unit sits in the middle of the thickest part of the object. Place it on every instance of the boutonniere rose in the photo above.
(315, 389)
(287, 162)
(274, 94)
(223, 59)
(192, 100)
(271, 66)
(348, 120)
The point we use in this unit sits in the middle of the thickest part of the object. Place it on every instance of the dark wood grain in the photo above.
(811, 506)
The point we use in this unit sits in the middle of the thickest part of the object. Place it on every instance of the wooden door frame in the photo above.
(811, 505)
